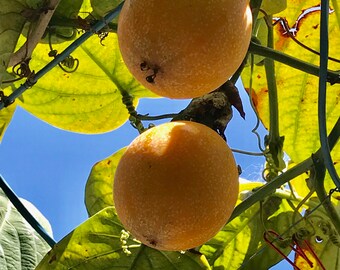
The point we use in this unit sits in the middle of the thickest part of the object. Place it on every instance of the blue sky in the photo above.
(49, 167)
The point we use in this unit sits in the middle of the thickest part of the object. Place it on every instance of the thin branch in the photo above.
(35, 36)
(147, 117)
(243, 152)
(332, 76)
(280, 180)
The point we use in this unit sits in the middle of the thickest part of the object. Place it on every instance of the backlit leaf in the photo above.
(240, 244)
(324, 242)
(297, 90)
(88, 100)
(6, 115)
(273, 6)
(20, 245)
(101, 243)
(99, 186)
(12, 21)
(300, 183)
(102, 7)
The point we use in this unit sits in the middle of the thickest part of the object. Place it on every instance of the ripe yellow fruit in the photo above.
(184, 48)
(176, 185)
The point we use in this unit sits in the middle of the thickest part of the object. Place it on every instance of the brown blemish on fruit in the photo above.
(153, 242)
(145, 66)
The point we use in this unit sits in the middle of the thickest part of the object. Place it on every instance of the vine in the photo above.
(317, 164)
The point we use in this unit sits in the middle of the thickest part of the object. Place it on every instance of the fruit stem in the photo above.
(135, 120)
(332, 76)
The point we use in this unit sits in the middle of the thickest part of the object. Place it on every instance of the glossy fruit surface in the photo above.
(176, 185)
(184, 48)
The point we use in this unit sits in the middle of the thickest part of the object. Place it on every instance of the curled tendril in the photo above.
(102, 36)
(21, 70)
(69, 62)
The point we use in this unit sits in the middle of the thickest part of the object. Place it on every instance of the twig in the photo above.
(332, 76)
(35, 36)
(147, 117)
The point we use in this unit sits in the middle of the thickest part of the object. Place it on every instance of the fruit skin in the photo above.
(192, 46)
(176, 185)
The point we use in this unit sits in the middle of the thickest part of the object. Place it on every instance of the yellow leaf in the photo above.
(99, 186)
(297, 90)
(88, 100)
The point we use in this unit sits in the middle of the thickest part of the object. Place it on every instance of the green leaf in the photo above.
(68, 9)
(273, 6)
(101, 243)
(6, 115)
(297, 90)
(99, 186)
(88, 100)
(324, 241)
(300, 183)
(12, 21)
(264, 255)
(58, 24)
(20, 245)
(240, 244)
(102, 7)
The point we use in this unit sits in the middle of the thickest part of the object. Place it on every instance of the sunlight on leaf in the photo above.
(102, 7)
(273, 6)
(6, 115)
(324, 242)
(240, 244)
(101, 243)
(88, 100)
(298, 91)
(12, 21)
(99, 186)
(20, 245)
(300, 183)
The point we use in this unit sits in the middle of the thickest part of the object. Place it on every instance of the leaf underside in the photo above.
(20, 245)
